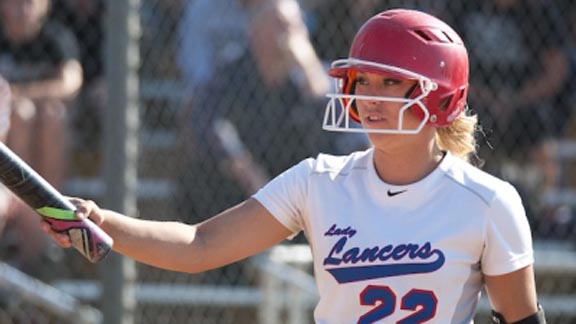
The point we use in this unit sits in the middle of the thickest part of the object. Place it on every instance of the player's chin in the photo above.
(384, 131)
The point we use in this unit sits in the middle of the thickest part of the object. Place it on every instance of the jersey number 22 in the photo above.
(423, 302)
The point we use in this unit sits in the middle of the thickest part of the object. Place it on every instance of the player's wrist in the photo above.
(99, 216)
(536, 318)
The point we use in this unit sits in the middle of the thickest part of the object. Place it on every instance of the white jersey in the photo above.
(400, 254)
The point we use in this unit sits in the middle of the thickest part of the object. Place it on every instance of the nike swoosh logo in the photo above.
(394, 193)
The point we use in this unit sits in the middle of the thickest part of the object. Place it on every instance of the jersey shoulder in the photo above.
(340, 165)
(479, 182)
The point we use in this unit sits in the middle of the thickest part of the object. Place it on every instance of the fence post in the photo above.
(121, 149)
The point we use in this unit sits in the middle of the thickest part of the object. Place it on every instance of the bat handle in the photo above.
(86, 237)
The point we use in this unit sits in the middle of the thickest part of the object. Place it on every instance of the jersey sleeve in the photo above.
(285, 196)
(508, 245)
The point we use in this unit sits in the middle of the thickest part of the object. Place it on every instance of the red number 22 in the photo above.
(424, 301)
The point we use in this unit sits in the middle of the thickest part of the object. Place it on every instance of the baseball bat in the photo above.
(86, 237)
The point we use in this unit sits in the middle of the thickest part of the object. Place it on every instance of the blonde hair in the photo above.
(458, 138)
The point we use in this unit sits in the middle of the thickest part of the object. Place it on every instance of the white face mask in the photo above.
(337, 115)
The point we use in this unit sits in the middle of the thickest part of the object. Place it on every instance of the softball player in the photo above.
(405, 232)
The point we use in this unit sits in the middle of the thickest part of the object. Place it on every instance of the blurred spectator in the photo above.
(39, 59)
(518, 86)
(254, 86)
(85, 18)
(207, 42)
(277, 81)
(560, 219)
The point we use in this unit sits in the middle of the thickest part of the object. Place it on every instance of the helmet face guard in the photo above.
(341, 113)
(410, 45)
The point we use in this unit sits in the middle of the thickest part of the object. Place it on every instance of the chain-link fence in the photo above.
(232, 93)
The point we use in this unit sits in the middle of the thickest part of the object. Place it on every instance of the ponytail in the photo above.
(458, 138)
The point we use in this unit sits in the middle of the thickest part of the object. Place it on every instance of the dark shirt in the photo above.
(89, 32)
(38, 58)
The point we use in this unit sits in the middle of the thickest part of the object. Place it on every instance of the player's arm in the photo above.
(234, 234)
(513, 297)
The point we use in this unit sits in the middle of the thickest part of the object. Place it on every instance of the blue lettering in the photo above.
(330, 232)
(369, 254)
(337, 248)
(399, 252)
(425, 251)
(340, 254)
(335, 231)
(382, 256)
(351, 256)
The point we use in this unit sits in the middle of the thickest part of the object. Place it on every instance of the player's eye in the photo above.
(391, 81)
(361, 81)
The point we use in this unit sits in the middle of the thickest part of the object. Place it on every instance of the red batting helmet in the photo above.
(410, 45)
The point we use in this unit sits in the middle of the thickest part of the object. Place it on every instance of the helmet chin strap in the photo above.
(410, 91)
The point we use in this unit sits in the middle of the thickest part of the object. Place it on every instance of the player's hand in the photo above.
(60, 238)
(87, 209)
(84, 209)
